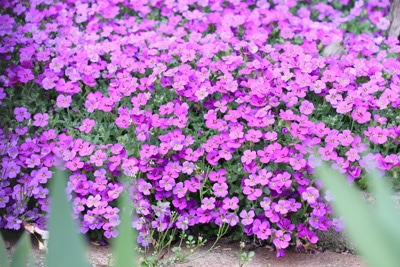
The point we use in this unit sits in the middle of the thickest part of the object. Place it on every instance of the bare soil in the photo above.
(224, 254)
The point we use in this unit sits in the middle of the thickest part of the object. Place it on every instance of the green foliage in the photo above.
(375, 230)
(66, 247)
(122, 248)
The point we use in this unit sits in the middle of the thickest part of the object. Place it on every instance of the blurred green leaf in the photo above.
(123, 247)
(374, 236)
(66, 247)
(3, 253)
(22, 251)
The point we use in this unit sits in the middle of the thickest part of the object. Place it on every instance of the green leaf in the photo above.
(22, 251)
(123, 248)
(3, 254)
(375, 238)
(66, 247)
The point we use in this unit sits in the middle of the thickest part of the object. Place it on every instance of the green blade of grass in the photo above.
(22, 251)
(386, 209)
(3, 253)
(123, 247)
(66, 247)
(375, 242)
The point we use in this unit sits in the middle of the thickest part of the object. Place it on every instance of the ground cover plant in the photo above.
(208, 109)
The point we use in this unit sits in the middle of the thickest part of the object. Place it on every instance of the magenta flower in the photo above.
(98, 158)
(230, 203)
(248, 156)
(63, 101)
(281, 240)
(142, 132)
(25, 75)
(262, 229)
(306, 107)
(87, 125)
(220, 190)
(310, 195)
(40, 120)
(361, 115)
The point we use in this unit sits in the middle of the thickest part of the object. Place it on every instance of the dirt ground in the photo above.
(224, 254)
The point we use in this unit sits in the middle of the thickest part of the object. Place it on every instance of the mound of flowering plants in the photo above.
(208, 109)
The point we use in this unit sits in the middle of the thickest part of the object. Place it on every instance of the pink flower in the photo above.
(247, 217)
(123, 121)
(40, 120)
(352, 155)
(188, 167)
(208, 203)
(220, 190)
(252, 193)
(306, 107)
(230, 203)
(98, 158)
(361, 115)
(310, 195)
(383, 24)
(87, 125)
(63, 101)
(248, 156)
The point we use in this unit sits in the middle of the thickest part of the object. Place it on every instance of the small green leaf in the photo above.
(3, 254)
(22, 251)
(66, 247)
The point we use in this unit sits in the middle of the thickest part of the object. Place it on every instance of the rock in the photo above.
(333, 49)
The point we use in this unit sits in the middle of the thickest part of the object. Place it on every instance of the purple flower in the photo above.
(167, 183)
(338, 224)
(281, 240)
(25, 75)
(21, 114)
(87, 125)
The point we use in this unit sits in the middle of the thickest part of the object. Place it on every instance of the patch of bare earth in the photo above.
(224, 254)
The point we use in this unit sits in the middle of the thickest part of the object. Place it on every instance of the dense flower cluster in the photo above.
(209, 110)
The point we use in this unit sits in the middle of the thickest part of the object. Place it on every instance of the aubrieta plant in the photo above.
(210, 108)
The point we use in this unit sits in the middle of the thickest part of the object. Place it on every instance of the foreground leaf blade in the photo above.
(375, 243)
(3, 253)
(22, 251)
(66, 247)
(123, 248)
